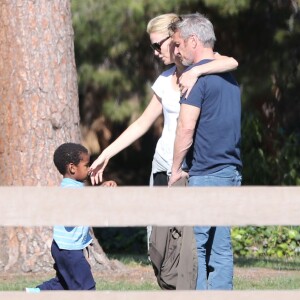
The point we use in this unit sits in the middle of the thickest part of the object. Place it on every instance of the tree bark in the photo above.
(38, 112)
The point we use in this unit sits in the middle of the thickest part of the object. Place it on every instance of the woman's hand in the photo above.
(97, 169)
(220, 64)
(187, 80)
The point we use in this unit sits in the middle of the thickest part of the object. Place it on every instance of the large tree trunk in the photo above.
(38, 112)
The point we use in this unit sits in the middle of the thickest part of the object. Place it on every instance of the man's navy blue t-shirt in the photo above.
(218, 129)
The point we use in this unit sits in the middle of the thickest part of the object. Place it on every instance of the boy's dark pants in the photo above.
(73, 272)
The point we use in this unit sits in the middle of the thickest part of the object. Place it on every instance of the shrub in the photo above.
(266, 241)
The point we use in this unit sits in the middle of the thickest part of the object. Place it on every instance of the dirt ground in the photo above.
(134, 274)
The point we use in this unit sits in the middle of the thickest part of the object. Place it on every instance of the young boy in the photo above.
(73, 271)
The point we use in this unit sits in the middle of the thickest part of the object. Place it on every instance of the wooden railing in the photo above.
(141, 206)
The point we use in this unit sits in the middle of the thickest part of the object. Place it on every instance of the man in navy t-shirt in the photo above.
(208, 135)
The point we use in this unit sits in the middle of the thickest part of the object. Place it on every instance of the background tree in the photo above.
(38, 112)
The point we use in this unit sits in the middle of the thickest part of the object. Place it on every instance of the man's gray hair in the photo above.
(195, 24)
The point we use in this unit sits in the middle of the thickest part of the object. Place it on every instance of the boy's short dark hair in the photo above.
(68, 153)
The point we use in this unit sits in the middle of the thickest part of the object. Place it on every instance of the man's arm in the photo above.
(186, 124)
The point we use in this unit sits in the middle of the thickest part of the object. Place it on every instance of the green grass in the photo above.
(126, 286)
(292, 264)
(280, 283)
(288, 280)
(19, 283)
(257, 278)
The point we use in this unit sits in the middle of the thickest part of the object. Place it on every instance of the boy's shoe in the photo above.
(32, 290)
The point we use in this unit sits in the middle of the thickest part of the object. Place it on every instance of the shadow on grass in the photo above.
(287, 264)
(131, 259)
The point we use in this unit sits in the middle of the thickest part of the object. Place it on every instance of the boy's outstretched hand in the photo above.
(109, 183)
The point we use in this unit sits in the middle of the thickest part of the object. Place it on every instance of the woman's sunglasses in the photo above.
(157, 46)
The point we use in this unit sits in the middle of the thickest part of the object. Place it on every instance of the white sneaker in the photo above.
(32, 290)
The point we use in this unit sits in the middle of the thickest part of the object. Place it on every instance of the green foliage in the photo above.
(118, 112)
(230, 7)
(285, 165)
(262, 167)
(109, 79)
(256, 169)
(110, 43)
(266, 241)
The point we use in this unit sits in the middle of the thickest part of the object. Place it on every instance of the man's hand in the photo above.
(176, 176)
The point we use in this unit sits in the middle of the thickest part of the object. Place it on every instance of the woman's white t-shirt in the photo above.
(162, 87)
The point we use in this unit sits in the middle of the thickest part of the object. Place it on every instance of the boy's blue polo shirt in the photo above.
(71, 238)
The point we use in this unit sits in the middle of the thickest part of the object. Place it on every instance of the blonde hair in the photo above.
(160, 24)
